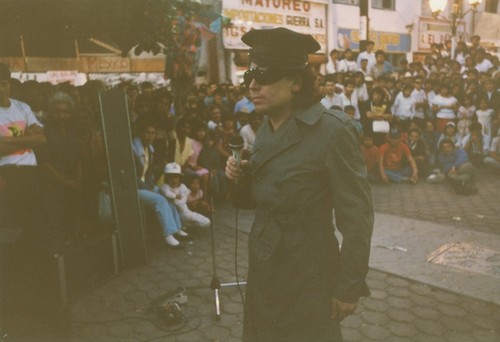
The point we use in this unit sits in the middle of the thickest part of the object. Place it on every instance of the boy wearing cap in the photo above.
(306, 162)
(177, 192)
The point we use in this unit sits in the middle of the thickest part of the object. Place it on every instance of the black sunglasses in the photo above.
(262, 76)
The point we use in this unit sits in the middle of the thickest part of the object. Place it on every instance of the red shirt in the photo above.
(394, 155)
(371, 157)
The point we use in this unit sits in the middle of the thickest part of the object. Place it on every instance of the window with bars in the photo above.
(384, 4)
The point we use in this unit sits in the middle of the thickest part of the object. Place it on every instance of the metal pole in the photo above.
(364, 23)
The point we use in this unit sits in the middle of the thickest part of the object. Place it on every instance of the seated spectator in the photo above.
(183, 143)
(149, 193)
(329, 90)
(197, 200)
(450, 132)
(419, 151)
(176, 191)
(192, 166)
(215, 119)
(493, 159)
(455, 166)
(392, 164)
(431, 138)
(476, 144)
(211, 159)
(248, 131)
(371, 154)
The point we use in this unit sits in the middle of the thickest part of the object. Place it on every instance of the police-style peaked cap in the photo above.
(280, 48)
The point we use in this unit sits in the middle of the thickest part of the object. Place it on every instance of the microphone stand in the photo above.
(215, 283)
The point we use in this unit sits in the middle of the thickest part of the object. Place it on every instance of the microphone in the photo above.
(236, 145)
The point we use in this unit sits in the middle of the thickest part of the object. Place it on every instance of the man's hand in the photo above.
(235, 172)
(341, 310)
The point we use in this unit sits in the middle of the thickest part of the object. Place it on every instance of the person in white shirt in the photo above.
(444, 107)
(329, 99)
(348, 98)
(482, 63)
(333, 62)
(403, 108)
(420, 97)
(368, 54)
(348, 64)
(176, 191)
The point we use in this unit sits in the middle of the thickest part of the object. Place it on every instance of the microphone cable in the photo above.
(236, 259)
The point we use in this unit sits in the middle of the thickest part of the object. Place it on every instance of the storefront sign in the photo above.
(107, 64)
(436, 31)
(387, 41)
(61, 76)
(301, 16)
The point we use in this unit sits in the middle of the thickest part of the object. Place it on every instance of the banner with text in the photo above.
(387, 41)
(437, 31)
(301, 16)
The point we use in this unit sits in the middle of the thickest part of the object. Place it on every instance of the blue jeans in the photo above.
(165, 210)
(398, 175)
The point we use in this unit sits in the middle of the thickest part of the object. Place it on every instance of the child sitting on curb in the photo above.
(178, 192)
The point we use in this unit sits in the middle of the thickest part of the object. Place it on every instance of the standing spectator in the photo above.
(243, 104)
(348, 64)
(403, 108)
(192, 166)
(392, 163)
(485, 116)
(329, 88)
(215, 119)
(482, 63)
(378, 116)
(421, 104)
(492, 94)
(444, 107)
(368, 55)
(465, 115)
(20, 132)
(332, 66)
(348, 98)
(381, 67)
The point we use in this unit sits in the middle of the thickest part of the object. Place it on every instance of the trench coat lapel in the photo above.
(273, 143)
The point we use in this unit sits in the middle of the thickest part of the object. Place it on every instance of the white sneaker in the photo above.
(171, 241)
(181, 233)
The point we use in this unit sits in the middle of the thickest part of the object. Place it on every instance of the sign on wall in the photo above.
(437, 31)
(301, 16)
(387, 41)
(61, 76)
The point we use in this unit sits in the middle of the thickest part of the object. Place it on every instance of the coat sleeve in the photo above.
(353, 213)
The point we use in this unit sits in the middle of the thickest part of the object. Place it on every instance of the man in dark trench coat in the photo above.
(306, 164)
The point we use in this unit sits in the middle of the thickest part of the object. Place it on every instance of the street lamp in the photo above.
(438, 6)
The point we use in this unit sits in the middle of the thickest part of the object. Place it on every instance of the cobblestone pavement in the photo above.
(439, 203)
(398, 310)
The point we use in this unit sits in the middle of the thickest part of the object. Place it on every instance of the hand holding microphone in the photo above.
(234, 165)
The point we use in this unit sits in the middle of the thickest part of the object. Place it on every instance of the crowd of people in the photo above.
(180, 149)
(426, 120)
(434, 119)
